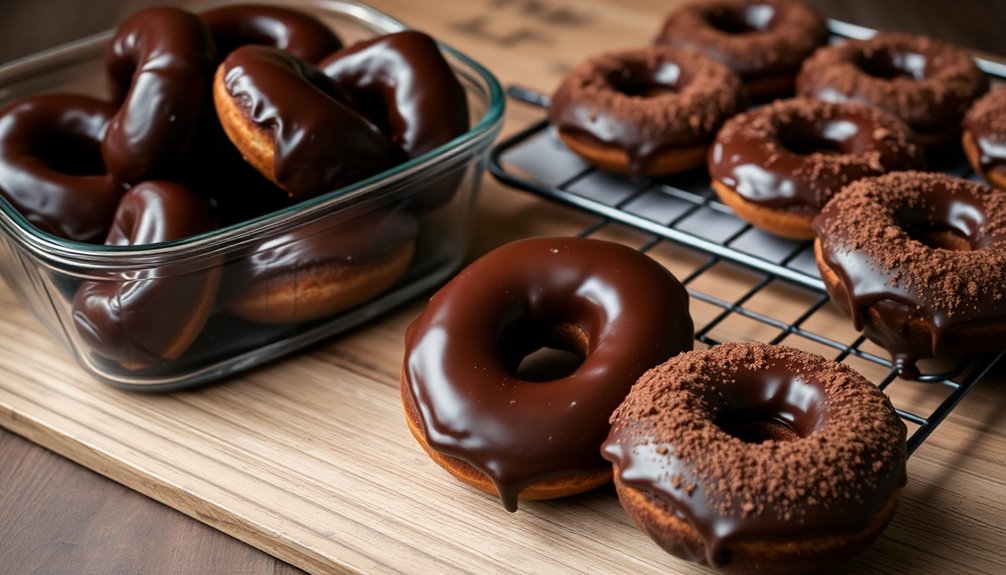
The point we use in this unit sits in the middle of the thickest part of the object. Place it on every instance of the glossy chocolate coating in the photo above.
(138, 321)
(161, 64)
(403, 85)
(958, 295)
(320, 143)
(801, 400)
(986, 124)
(795, 154)
(462, 355)
(296, 32)
(50, 165)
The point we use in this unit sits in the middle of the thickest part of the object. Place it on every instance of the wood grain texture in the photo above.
(309, 458)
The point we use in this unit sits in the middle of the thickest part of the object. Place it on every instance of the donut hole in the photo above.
(540, 353)
(755, 425)
(890, 65)
(939, 229)
(636, 80)
(807, 137)
(73, 156)
(749, 19)
(940, 237)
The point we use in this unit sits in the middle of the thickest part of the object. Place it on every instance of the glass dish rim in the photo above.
(52, 247)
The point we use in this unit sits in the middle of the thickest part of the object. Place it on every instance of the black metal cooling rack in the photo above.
(683, 210)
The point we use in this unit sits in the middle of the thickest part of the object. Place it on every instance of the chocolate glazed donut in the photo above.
(293, 123)
(150, 316)
(464, 398)
(50, 165)
(403, 84)
(160, 63)
(290, 30)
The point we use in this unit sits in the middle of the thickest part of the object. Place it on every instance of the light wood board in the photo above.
(309, 458)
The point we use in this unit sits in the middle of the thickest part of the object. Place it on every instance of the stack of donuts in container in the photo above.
(217, 119)
(744, 457)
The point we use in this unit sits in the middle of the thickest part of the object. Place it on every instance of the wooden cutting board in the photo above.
(309, 458)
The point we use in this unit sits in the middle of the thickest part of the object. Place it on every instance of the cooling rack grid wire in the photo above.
(744, 283)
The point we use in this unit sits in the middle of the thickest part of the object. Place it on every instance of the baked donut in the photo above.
(161, 64)
(293, 124)
(644, 112)
(50, 165)
(404, 86)
(918, 260)
(927, 83)
(148, 315)
(465, 398)
(763, 41)
(320, 268)
(777, 165)
(751, 458)
(984, 137)
(287, 29)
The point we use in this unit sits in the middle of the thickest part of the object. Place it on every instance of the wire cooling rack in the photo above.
(748, 284)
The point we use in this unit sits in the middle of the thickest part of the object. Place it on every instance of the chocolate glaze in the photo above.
(759, 153)
(296, 32)
(754, 38)
(320, 142)
(668, 441)
(889, 279)
(160, 63)
(462, 355)
(986, 123)
(138, 321)
(50, 164)
(404, 85)
(645, 102)
(927, 83)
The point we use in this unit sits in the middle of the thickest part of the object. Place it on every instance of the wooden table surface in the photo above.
(58, 517)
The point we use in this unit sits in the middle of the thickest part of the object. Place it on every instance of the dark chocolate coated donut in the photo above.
(51, 168)
(161, 64)
(291, 30)
(150, 316)
(753, 458)
(618, 309)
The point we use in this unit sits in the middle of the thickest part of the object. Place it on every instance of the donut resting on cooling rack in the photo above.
(984, 137)
(644, 112)
(751, 458)
(918, 260)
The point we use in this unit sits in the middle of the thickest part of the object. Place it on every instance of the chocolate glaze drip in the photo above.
(139, 321)
(669, 440)
(320, 142)
(462, 355)
(403, 84)
(296, 32)
(797, 153)
(986, 122)
(51, 168)
(877, 238)
(160, 63)
(645, 102)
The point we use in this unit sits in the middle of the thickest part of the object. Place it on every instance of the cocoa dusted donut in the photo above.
(763, 41)
(50, 165)
(465, 398)
(918, 260)
(751, 458)
(645, 112)
(927, 83)
(776, 166)
(321, 268)
(295, 125)
(293, 31)
(161, 64)
(152, 315)
(984, 137)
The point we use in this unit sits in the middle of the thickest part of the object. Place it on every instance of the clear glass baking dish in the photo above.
(46, 271)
